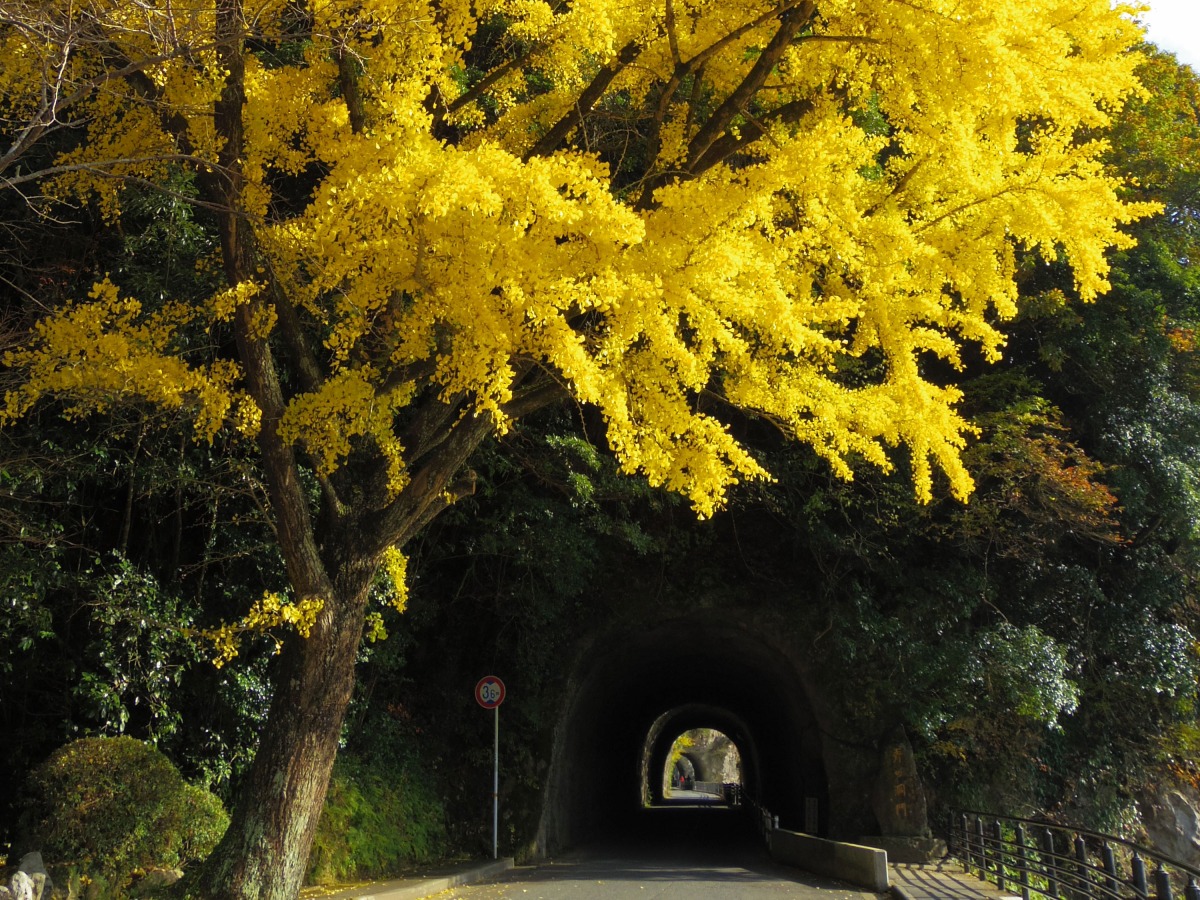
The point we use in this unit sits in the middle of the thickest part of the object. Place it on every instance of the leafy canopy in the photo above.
(654, 208)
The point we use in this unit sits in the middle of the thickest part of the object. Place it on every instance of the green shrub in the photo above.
(376, 821)
(108, 807)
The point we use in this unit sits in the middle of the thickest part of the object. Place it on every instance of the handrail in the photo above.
(1061, 863)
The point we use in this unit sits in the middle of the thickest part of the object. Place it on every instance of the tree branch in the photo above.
(544, 393)
(103, 168)
(426, 493)
(292, 516)
(477, 90)
(729, 144)
(717, 46)
(351, 94)
(694, 66)
(302, 356)
(672, 37)
(790, 25)
(591, 94)
(429, 427)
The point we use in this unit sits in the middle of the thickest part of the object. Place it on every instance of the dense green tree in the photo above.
(120, 539)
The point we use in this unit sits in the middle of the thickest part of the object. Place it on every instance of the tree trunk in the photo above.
(264, 854)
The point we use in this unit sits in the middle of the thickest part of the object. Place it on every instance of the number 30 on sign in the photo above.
(489, 692)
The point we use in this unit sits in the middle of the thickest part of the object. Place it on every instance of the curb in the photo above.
(416, 888)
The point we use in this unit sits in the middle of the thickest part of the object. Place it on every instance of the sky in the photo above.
(1175, 25)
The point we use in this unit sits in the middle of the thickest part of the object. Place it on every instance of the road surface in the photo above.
(677, 856)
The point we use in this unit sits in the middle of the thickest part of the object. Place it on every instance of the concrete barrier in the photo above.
(861, 866)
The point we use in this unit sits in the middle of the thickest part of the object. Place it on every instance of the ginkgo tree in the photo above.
(439, 216)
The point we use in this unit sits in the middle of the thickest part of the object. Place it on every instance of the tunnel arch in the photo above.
(643, 686)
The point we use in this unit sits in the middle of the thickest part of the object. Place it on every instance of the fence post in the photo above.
(983, 854)
(1162, 883)
(1083, 886)
(1110, 870)
(999, 830)
(1051, 865)
(968, 847)
(1022, 862)
(1192, 891)
(1138, 865)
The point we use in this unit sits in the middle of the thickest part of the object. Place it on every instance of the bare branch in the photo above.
(104, 169)
(49, 116)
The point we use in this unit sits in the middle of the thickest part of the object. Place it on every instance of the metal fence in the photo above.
(1056, 863)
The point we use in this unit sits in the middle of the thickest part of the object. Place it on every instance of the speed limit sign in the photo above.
(489, 693)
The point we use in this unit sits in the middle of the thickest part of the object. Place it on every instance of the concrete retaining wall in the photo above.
(862, 866)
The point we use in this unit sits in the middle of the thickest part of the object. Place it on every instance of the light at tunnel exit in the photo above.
(701, 765)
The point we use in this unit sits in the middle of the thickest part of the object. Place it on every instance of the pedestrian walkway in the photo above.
(425, 883)
(943, 880)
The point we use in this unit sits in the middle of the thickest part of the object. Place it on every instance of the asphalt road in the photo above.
(674, 855)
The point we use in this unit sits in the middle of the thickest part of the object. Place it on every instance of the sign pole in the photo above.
(489, 693)
(496, 789)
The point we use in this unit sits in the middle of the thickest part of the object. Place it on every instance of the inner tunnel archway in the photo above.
(698, 755)
(637, 689)
(671, 726)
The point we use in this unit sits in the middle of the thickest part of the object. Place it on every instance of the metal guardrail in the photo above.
(733, 793)
(729, 791)
(1058, 863)
(765, 822)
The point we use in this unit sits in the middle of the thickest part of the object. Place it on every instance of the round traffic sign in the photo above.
(489, 692)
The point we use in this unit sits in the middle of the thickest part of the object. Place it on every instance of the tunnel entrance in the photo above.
(639, 690)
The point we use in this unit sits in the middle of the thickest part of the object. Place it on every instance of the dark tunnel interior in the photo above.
(638, 690)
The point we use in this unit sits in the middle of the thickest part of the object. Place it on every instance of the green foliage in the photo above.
(110, 807)
(378, 819)
(117, 537)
